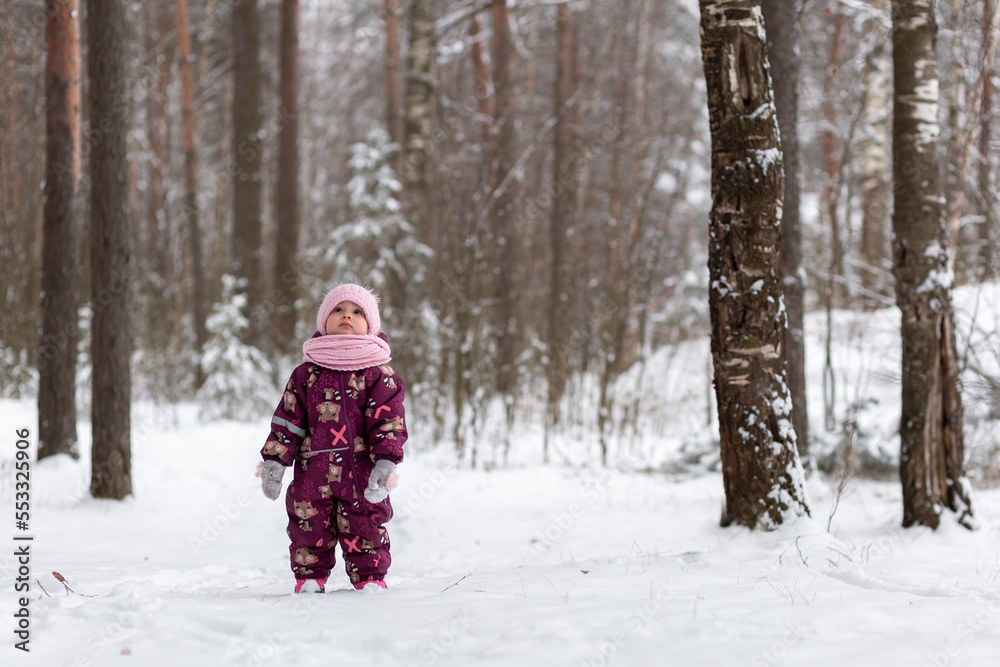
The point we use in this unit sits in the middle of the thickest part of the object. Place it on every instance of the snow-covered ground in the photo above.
(524, 565)
(538, 565)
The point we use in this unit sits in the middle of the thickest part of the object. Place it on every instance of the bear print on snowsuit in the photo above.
(337, 426)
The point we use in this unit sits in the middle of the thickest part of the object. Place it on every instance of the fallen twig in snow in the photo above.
(69, 590)
(62, 580)
(457, 582)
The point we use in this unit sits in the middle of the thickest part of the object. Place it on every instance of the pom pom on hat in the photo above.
(357, 294)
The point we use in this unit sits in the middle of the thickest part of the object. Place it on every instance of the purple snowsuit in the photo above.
(333, 425)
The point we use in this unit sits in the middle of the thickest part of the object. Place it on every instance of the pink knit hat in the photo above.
(357, 294)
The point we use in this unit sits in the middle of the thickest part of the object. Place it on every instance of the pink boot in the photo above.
(319, 582)
(361, 585)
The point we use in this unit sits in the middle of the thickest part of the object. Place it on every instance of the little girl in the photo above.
(340, 423)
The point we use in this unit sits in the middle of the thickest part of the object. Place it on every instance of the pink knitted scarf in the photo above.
(347, 352)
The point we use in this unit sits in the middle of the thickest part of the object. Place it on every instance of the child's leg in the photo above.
(310, 529)
(364, 540)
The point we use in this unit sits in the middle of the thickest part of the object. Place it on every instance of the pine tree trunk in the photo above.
(583, 243)
(931, 457)
(35, 175)
(502, 202)
(874, 171)
(111, 342)
(10, 272)
(614, 254)
(482, 84)
(625, 327)
(159, 58)
(780, 21)
(286, 277)
(246, 147)
(22, 171)
(155, 254)
(761, 472)
(419, 86)
(395, 119)
(563, 209)
(192, 215)
(221, 261)
(60, 243)
(533, 170)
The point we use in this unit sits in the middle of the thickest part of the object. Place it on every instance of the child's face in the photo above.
(347, 318)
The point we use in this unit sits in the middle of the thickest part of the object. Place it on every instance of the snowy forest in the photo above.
(721, 275)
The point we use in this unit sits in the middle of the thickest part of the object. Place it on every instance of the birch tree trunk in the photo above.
(783, 56)
(931, 457)
(286, 278)
(988, 225)
(111, 341)
(190, 206)
(874, 171)
(958, 141)
(762, 475)
(832, 156)
(60, 231)
(964, 104)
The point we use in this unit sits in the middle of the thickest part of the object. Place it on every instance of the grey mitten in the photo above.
(271, 473)
(382, 481)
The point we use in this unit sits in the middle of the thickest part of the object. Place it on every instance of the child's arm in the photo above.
(385, 416)
(289, 425)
